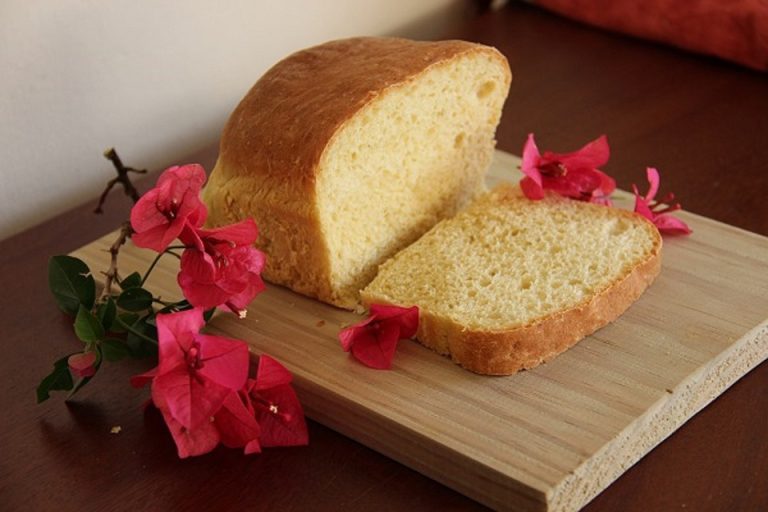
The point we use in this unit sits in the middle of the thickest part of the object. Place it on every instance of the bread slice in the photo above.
(349, 151)
(509, 283)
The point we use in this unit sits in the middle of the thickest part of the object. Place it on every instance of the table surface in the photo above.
(702, 122)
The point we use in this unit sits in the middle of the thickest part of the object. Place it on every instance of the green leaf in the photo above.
(114, 349)
(71, 283)
(139, 346)
(59, 379)
(106, 313)
(208, 314)
(132, 281)
(135, 299)
(87, 326)
(127, 319)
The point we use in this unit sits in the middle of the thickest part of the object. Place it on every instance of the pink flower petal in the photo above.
(198, 266)
(190, 176)
(253, 447)
(606, 188)
(176, 334)
(347, 337)
(281, 418)
(242, 233)
(199, 280)
(189, 443)
(232, 275)
(190, 238)
(377, 351)
(157, 238)
(241, 300)
(642, 208)
(83, 364)
(530, 162)
(407, 318)
(531, 189)
(573, 175)
(374, 340)
(593, 155)
(577, 183)
(271, 373)
(237, 424)
(163, 212)
(224, 361)
(248, 263)
(190, 401)
(348, 334)
(672, 225)
(654, 211)
(191, 208)
(653, 179)
(153, 229)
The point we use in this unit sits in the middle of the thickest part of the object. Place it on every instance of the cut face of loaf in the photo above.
(509, 283)
(348, 152)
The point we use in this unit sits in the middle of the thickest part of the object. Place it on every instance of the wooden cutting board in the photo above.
(547, 439)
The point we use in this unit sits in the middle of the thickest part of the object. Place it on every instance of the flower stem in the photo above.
(151, 267)
(154, 262)
(134, 331)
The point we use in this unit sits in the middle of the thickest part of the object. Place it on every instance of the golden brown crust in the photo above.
(274, 140)
(505, 352)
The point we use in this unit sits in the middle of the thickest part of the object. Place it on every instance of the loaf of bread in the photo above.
(510, 283)
(348, 152)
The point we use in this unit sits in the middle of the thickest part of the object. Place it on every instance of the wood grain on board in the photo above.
(547, 439)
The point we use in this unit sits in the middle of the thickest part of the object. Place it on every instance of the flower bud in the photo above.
(82, 364)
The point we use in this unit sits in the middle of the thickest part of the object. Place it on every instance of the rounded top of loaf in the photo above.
(282, 126)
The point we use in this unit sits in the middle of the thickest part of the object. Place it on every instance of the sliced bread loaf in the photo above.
(509, 283)
(349, 151)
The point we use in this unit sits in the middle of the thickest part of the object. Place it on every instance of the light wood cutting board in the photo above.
(547, 439)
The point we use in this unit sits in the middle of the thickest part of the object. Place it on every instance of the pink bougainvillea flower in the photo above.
(163, 213)
(236, 423)
(196, 371)
(656, 211)
(575, 175)
(189, 442)
(82, 364)
(277, 408)
(195, 375)
(374, 340)
(243, 233)
(227, 270)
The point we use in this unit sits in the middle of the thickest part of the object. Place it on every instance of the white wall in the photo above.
(154, 79)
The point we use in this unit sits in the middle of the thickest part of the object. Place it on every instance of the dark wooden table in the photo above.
(702, 122)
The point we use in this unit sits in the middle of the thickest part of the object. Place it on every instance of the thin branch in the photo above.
(114, 250)
(122, 178)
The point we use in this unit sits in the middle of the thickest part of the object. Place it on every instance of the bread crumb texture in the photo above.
(376, 140)
(407, 160)
(525, 278)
